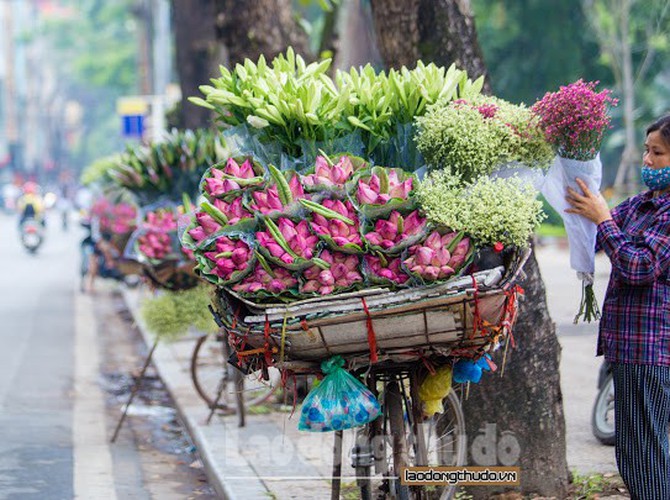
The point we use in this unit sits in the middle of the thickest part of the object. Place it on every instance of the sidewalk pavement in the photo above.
(270, 458)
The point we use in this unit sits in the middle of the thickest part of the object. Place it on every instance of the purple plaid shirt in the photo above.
(635, 325)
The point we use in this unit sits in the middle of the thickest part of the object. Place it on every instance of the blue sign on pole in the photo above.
(132, 126)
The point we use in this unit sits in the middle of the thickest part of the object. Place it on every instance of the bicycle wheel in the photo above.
(395, 404)
(214, 380)
(444, 441)
(602, 415)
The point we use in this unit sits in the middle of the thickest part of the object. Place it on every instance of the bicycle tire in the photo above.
(446, 441)
(211, 373)
(602, 415)
(393, 400)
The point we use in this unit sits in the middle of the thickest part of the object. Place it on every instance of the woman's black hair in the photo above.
(661, 125)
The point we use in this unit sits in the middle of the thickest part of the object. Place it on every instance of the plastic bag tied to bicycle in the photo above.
(339, 402)
(434, 388)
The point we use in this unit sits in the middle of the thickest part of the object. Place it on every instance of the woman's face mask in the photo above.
(656, 158)
(656, 179)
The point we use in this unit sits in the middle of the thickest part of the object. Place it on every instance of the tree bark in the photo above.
(442, 31)
(254, 27)
(516, 417)
(624, 182)
(448, 35)
(525, 406)
(397, 30)
(198, 56)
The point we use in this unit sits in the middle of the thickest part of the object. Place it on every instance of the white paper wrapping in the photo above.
(581, 231)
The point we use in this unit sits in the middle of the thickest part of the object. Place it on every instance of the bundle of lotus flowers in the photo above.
(439, 256)
(384, 185)
(390, 234)
(287, 242)
(335, 271)
(327, 175)
(336, 223)
(267, 279)
(232, 177)
(117, 218)
(228, 256)
(385, 270)
(156, 241)
(339, 226)
(279, 196)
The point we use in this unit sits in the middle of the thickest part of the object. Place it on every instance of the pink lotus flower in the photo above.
(229, 255)
(325, 174)
(188, 253)
(275, 282)
(233, 169)
(370, 192)
(340, 232)
(155, 244)
(343, 273)
(268, 201)
(391, 269)
(460, 253)
(389, 233)
(295, 237)
(432, 261)
(162, 220)
(234, 211)
(205, 226)
(219, 187)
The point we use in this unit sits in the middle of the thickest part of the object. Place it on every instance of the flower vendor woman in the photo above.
(635, 325)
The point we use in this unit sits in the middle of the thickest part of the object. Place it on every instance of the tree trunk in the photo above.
(448, 35)
(198, 57)
(441, 31)
(624, 182)
(525, 406)
(515, 417)
(254, 27)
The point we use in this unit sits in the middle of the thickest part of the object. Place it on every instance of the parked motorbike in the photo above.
(32, 234)
(602, 416)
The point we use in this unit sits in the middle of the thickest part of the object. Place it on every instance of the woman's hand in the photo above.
(589, 205)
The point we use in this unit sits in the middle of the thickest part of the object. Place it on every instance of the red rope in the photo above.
(476, 316)
(511, 309)
(266, 345)
(372, 339)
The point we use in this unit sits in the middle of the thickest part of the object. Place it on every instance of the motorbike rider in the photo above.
(30, 204)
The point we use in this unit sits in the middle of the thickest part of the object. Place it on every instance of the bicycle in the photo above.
(389, 339)
(217, 382)
(401, 437)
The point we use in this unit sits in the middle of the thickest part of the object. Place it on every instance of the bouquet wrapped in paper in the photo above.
(574, 120)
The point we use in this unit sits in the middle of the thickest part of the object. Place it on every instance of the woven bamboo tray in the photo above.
(431, 318)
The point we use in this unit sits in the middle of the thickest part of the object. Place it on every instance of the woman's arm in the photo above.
(640, 260)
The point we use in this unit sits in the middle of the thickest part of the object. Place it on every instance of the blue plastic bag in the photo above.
(466, 370)
(339, 402)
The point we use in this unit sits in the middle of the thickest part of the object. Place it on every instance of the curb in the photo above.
(204, 437)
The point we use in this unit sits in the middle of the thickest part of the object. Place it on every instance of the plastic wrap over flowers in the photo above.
(156, 240)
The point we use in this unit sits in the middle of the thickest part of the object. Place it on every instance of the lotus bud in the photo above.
(326, 278)
(365, 194)
(424, 256)
(240, 256)
(197, 233)
(459, 254)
